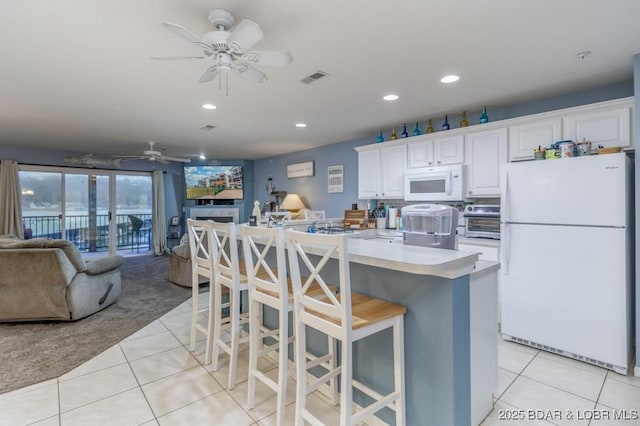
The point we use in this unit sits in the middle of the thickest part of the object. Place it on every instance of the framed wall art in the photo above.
(300, 169)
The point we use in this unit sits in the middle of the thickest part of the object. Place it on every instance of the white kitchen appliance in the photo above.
(566, 248)
(430, 225)
(482, 221)
(444, 183)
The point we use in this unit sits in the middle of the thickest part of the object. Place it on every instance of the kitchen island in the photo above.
(450, 328)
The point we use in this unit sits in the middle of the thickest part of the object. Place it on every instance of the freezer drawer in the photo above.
(567, 287)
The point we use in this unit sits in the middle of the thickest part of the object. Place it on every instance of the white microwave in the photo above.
(444, 183)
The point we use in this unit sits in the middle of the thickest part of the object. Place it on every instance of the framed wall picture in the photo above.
(300, 170)
(335, 178)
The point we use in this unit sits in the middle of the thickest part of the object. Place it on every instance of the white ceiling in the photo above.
(77, 74)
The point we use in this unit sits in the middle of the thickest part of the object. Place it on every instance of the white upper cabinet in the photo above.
(523, 138)
(609, 128)
(381, 171)
(369, 173)
(421, 153)
(438, 151)
(485, 152)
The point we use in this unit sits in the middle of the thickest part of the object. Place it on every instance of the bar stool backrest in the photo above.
(258, 244)
(200, 244)
(329, 312)
(225, 253)
(314, 214)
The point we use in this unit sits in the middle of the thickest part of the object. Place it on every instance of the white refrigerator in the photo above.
(566, 257)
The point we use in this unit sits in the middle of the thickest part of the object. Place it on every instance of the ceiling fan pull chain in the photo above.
(227, 78)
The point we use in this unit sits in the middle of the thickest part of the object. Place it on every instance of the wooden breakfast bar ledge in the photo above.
(450, 328)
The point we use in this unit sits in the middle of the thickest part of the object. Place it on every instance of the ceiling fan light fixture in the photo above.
(202, 157)
(390, 97)
(209, 106)
(301, 125)
(451, 78)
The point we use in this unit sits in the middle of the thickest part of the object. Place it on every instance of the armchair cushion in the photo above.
(72, 252)
(103, 264)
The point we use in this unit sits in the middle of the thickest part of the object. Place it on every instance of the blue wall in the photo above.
(313, 190)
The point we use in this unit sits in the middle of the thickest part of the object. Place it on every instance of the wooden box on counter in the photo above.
(356, 219)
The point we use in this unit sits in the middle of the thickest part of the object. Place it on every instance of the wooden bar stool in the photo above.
(347, 317)
(201, 248)
(227, 275)
(269, 286)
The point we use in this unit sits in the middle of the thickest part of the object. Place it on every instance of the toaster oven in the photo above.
(482, 221)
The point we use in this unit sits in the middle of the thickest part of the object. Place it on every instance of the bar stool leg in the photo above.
(346, 389)
(210, 322)
(254, 332)
(195, 287)
(234, 311)
(217, 324)
(398, 361)
(301, 371)
(283, 364)
(333, 364)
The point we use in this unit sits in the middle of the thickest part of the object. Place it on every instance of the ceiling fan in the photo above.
(152, 154)
(227, 51)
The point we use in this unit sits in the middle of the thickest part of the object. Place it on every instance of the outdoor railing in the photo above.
(78, 231)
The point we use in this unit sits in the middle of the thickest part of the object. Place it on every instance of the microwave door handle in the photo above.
(447, 184)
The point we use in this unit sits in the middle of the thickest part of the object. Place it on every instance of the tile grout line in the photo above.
(139, 385)
(517, 375)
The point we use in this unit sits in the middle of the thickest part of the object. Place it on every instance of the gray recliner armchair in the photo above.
(45, 279)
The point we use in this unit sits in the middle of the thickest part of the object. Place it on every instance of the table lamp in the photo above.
(292, 203)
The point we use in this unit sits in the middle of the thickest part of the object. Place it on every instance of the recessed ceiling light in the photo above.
(203, 157)
(209, 106)
(451, 78)
(301, 124)
(390, 97)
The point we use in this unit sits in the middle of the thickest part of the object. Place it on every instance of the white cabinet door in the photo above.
(421, 153)
(394, 161)
(485, 152)
(369, 174)
(524, 138)
(607, 128)
(449, 150)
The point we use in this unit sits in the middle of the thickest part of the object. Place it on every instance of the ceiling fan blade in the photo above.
(249, 73)
(172, 58)
(246, 34)
(183, 32)
(129, 157)
(269, 58)
(208, 75)
(170, 158)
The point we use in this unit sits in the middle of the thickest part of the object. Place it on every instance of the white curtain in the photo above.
(159, 220)
(10, 209)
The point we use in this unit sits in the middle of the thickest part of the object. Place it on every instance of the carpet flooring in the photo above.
(34, 352)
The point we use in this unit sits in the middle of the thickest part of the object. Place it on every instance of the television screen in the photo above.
(214, 182)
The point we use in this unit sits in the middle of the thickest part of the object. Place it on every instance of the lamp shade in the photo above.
(292, 202)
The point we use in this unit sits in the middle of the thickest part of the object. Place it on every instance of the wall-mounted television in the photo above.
(210, 183)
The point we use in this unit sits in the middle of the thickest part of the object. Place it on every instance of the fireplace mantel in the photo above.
(214, 212)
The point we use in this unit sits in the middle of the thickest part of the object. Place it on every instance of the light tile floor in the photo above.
(151, 378)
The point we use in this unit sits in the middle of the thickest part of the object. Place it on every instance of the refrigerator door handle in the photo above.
(504, 192)
(504, 249)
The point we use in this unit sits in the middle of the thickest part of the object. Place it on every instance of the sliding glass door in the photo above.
(100, 212)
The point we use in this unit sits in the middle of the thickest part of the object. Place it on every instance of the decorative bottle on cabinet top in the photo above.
(464, 122)
(416, 130)
(445, 125)
(404, 133)
(380, 138)
(430, 128)
(394, 136)
(484, 118)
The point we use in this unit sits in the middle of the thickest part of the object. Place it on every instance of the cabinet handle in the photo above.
(429, 162)
(470, 192)
(439, 161)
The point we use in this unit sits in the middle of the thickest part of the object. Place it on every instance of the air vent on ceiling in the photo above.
(208, 127)
(314, 77)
